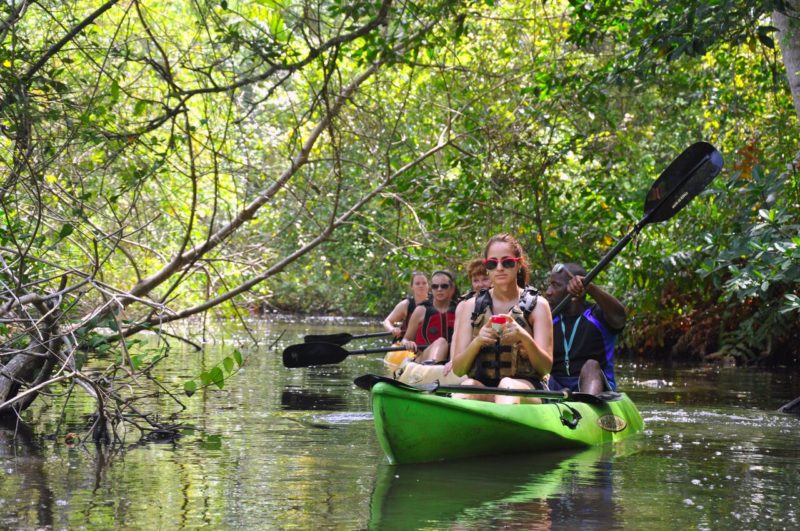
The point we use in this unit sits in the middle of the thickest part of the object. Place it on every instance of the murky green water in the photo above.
(279, 448)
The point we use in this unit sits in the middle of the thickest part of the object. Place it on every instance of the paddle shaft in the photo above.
(367, 381)
(563, 394)
(601, 265)
(308, 354)
(477, 390)
(610, 255)
(341, 338)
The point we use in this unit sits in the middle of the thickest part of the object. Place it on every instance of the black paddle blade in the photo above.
(687, 176)
(342, 338)
(335, 339)
(367, 381)
(308, 354)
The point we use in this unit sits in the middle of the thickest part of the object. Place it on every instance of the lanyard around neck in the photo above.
(568, 344)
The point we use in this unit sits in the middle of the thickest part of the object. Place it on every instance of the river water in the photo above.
(296, 449)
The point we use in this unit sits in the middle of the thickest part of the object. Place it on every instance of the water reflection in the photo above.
(26, 478)
(299, 399)
(523, 492)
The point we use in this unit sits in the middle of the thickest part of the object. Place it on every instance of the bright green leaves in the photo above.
(190, 387)
(217, 374)
(228, 364)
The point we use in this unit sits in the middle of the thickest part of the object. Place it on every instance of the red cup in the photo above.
(498, 322)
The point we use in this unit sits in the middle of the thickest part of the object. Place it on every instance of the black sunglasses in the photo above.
(507, 262)
(440, 286)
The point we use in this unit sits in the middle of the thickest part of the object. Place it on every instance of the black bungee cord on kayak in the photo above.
(576, 416)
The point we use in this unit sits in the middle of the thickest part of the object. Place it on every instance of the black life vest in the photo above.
(527, 302)
(467, 296)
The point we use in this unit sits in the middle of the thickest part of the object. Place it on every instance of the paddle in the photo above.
(308, 354)
(684, 178)
(367, 381)
(342, 338)
(792, 407)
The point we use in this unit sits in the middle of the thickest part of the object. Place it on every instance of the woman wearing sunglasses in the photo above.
(516, 353)
(433, 324)
(420, 296)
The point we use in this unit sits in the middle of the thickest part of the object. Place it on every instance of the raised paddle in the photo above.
(684, 178)
(308, 354)
(367, 381)
(341, 338)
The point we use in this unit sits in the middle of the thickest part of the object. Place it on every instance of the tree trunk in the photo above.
(788, 25)
(26, 370)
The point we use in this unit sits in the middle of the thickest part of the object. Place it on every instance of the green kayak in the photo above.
(422, 423)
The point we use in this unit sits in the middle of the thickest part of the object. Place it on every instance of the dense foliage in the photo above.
(163, 160)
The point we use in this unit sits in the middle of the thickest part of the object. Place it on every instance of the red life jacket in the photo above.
(436, 325)
(412, 305)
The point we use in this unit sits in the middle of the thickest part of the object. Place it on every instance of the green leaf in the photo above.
(136, 362)
(228, 364)
(238, 357)
(205, 378)
(276, 25)
(66, 230)
(139, 108)
(218, 377)
(190, 387)
(114, 91)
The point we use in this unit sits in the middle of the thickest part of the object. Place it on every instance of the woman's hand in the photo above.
(408, 344)
(513, 333)
(447, 369)
(487, 335)
(396, 332)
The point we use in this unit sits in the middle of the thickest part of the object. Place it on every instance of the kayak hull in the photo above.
(418, 427)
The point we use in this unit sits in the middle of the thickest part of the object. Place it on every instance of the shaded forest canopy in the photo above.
(164, 160)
